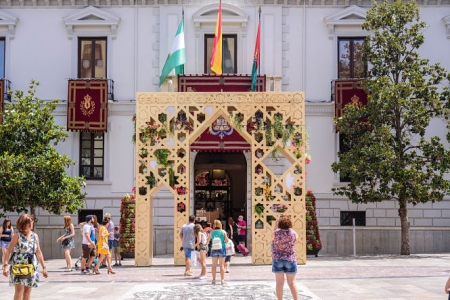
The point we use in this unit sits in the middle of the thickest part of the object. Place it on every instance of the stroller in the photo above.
(78, 263)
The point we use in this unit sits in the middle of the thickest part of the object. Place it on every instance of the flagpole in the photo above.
(259, 57)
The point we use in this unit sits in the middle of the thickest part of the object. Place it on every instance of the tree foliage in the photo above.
(32, 173)
(393, 155)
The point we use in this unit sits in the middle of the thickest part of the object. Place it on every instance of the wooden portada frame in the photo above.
(183, 117)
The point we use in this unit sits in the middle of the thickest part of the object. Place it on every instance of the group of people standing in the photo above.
(26, 243)
(25, 248)
(194, 237)
(284, 259)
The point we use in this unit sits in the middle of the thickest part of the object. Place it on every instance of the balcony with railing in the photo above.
(223, 83)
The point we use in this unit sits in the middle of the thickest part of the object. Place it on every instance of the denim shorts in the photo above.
(219, 253)
(284, 266)
(187, 252)
(4, 244)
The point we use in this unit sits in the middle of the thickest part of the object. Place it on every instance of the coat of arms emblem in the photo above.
(220, 127)
(87, 106)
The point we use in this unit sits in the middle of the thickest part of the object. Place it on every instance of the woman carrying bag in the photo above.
(24, 246)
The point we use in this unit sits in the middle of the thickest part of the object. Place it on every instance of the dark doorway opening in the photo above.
(220, 187)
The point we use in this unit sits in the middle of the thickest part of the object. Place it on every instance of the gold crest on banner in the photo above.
(87, 106)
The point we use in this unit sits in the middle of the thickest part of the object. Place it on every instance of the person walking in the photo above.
(6, 233)
(231, 230)
(103, 248)
(241, 226)
(187, 243)
(116, 247)
(202, 247)
(218, 250)
(284, 259)
(22, 245)
(110, 228)
(88, 245)
(67, 242)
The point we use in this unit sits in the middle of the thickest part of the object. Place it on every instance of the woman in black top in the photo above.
(6, 233)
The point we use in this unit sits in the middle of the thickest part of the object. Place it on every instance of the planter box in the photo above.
(314, 252)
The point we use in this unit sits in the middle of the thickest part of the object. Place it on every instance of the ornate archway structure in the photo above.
(272, 123)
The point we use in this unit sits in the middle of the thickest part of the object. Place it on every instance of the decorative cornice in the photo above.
(93, 17)
(350, 16)
(230, 14)
(9, 22)
(320, 109)
(114, 109)
(129, 108)
(8, 4)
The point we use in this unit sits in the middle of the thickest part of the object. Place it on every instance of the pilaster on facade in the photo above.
(285, 46)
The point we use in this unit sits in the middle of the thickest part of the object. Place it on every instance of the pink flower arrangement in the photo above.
(181, 190)
(181, 208)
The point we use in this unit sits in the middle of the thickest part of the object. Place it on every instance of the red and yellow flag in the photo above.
(216, 58)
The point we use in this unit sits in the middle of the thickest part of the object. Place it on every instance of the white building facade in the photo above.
(46, 40)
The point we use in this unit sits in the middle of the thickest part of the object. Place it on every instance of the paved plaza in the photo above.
(323, 277)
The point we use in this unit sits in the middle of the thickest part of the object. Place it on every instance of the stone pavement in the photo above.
(323, 277)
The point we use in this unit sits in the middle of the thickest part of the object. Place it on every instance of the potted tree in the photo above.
(313, 243)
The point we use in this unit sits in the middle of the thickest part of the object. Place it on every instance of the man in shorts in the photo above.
(87, 245)
(188, 241)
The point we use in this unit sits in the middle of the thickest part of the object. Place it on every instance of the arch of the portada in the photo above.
(166, 126)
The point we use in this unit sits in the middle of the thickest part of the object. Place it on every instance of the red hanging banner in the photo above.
(87, 105)
(348, 91)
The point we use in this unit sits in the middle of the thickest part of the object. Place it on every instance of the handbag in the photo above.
(65, 242)
(23, 271)
(230, 248)
(105, 245)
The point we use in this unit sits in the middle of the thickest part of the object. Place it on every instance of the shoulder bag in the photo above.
(25, 271)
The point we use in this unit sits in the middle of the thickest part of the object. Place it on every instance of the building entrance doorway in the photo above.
(220, 186)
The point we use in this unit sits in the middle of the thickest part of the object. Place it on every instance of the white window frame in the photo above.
(343, 23)
(91, 22)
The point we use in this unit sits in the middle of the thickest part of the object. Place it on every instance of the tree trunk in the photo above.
(403, 213)
(33, 215)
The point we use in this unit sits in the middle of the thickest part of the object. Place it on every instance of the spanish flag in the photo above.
(216, 58)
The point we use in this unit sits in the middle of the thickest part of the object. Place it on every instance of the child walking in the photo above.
(202, 246)
(116, 246)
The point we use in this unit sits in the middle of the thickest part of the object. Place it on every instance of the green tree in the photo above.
(32, 173)
(393, 156)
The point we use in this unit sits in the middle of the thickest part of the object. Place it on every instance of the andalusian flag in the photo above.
(216, 58)
(256, 59)
(177, 55)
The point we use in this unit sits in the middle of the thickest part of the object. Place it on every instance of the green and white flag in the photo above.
(177, 55)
